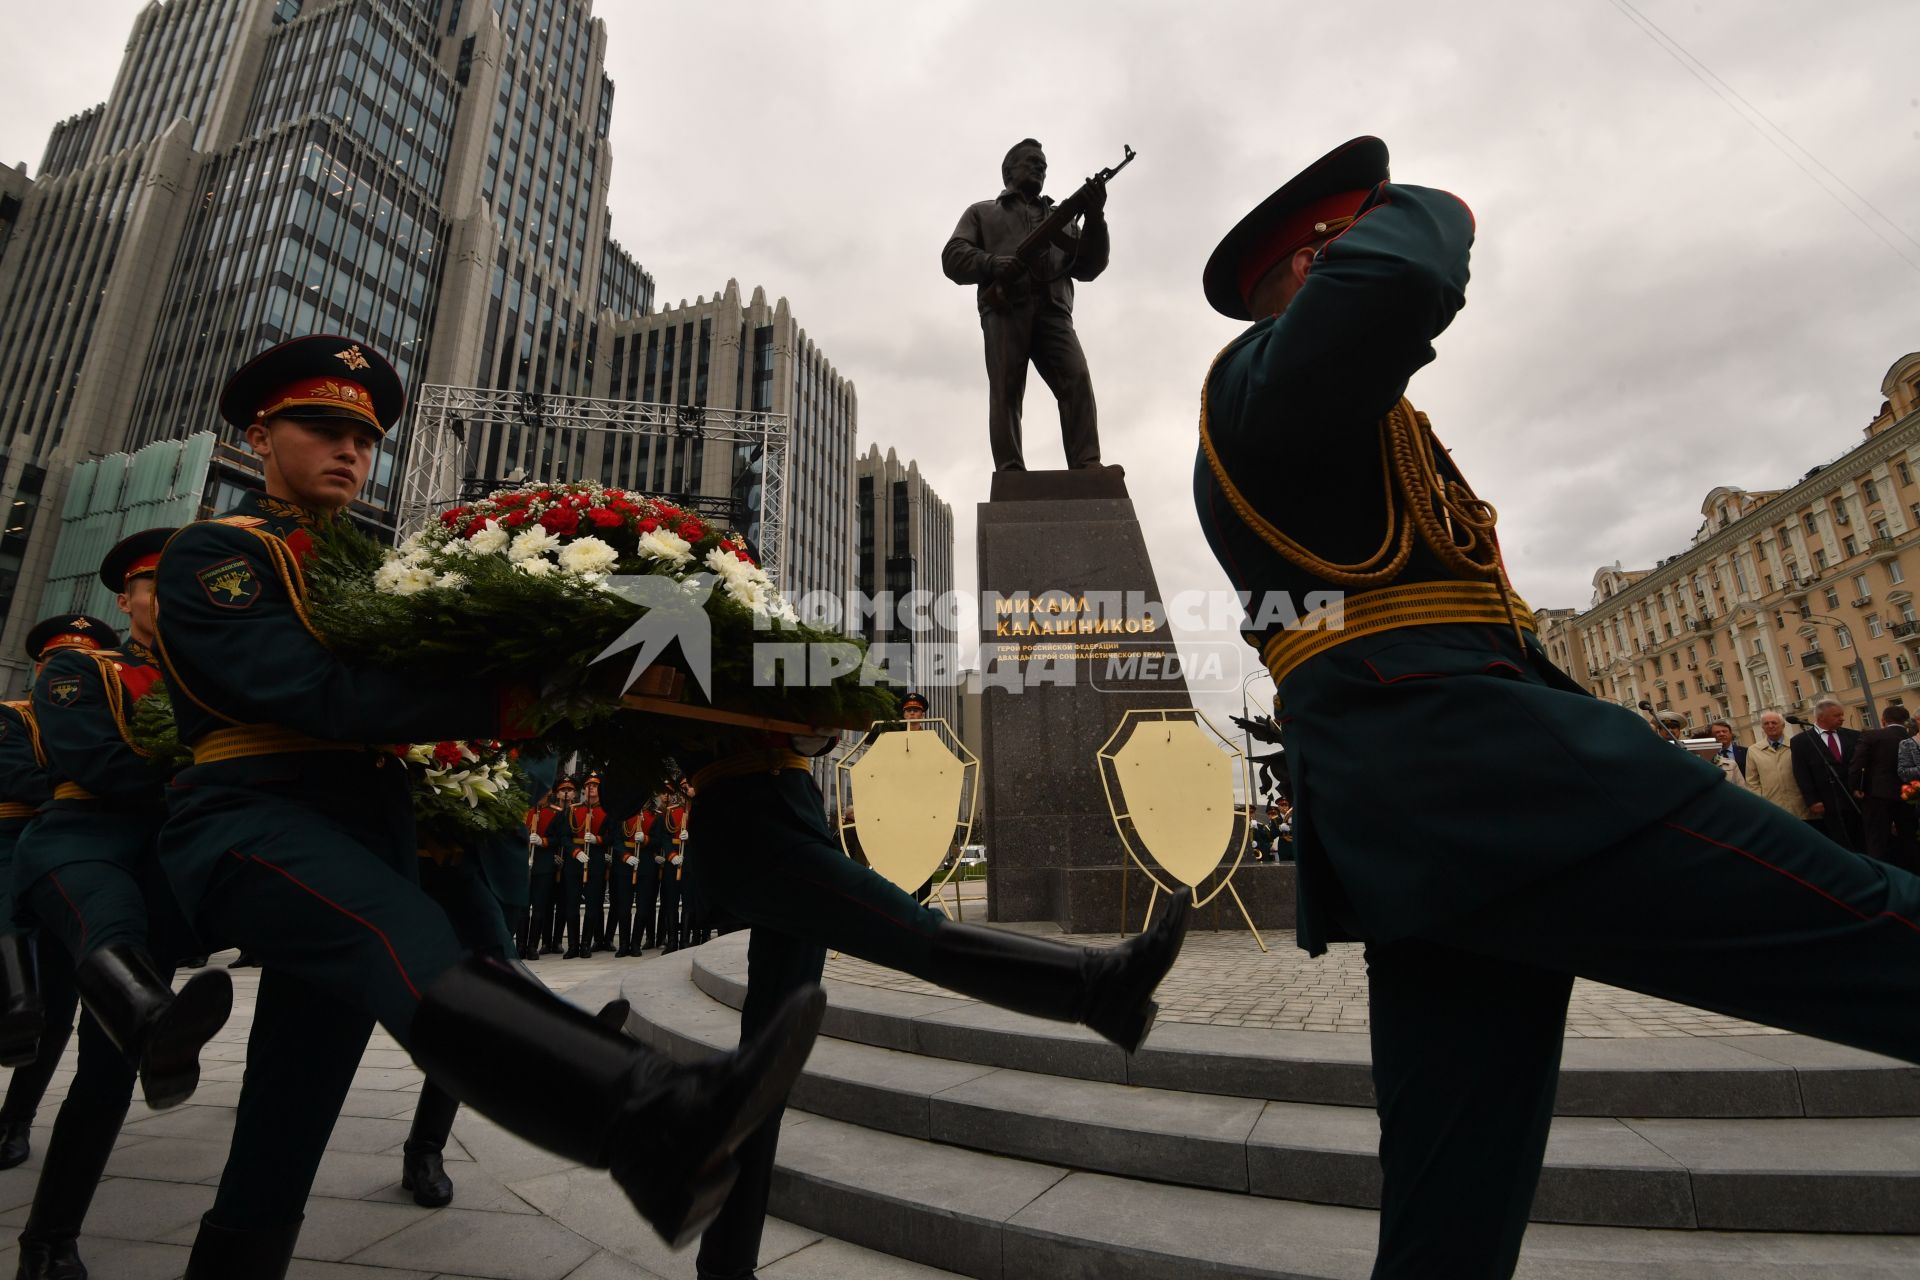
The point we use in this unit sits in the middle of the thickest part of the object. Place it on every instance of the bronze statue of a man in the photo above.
(1026, 308)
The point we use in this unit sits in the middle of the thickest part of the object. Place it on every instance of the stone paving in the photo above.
(518, 1213)
(1223, 979)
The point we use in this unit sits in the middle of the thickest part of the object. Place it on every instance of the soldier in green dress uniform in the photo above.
(85, 868)
(262, 853)
(37, 1017)
(1568, 840)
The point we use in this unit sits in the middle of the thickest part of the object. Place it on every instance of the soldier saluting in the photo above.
(1573, 842)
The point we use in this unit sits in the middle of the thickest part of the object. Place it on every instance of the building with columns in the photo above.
(1786, 595)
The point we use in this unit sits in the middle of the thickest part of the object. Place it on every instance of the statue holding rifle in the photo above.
(1025, 251)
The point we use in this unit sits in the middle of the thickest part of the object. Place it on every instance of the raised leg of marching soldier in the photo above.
(768, 859)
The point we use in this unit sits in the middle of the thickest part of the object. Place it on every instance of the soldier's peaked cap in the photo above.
(323, 376)
(135, 556)
(914, 700)
(69, 631)
(1321, 198)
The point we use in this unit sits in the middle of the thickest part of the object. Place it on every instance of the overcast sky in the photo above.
(1661, 301)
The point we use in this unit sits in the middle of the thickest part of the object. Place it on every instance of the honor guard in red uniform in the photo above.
(542, 862)
(625, 875)
(672, 897)
(263, 854)
(590, 833)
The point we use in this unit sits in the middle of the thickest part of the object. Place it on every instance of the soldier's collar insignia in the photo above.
(352, 358)
(285, 510)
(230, 584)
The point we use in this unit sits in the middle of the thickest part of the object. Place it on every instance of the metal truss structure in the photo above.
(443, 415)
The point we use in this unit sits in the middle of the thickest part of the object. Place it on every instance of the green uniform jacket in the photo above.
(23, 780)
(238, 650)
(1434, 768)
(83, 701)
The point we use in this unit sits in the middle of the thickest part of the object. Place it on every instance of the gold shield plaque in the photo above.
(1168, 774)
(907, 789)
(1178, 789)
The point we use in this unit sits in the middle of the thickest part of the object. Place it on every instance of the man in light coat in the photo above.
(1769, 769)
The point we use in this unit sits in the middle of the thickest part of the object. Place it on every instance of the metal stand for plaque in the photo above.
(1157, 790)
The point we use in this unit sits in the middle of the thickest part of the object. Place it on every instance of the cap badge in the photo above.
(352, 358)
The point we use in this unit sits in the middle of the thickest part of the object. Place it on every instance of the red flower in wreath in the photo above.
(562, 521)
(515, 519)
(602, 518)
(648, 524)
(446, 754)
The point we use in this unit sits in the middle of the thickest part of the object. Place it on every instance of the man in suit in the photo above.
(1821, 758)
(1874, 778)
(1769, 768)
(1733, 757)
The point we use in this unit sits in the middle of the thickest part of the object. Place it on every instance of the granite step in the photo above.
(1693, 1077)
(1794, 1174)
(1000, 1218)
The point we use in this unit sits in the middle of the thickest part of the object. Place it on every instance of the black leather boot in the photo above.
(22, 1016)
(666, 1132)
(50, 1260)
(16, 1143)
(263, 1253)
(1109, 989)
(422, 1171)
(159, 1030)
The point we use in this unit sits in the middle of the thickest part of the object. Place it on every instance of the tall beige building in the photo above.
(1786, 595)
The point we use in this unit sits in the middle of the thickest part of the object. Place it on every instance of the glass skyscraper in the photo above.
(427, 175)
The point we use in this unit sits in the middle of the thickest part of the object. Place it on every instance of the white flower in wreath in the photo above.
(529, 543)
(488, 540)
(398, 578)
(420, 753)
(450, 581)
(588, 555)
(664, 544)
(535, 567)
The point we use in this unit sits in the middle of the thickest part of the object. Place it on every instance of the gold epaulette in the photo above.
(72, 791)
(240, 741)
(239, 522)
(764, 760)
(1367, 613)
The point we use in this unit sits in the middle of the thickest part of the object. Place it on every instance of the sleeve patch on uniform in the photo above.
(64, 692)
(230, 584)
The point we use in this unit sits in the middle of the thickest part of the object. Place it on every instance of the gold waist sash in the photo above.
(72, 791)
(765, 760)
(14, 809)
(243, 740)
(1367, 613)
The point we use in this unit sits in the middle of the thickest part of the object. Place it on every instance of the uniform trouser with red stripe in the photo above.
(1728, 904)
(326, 896)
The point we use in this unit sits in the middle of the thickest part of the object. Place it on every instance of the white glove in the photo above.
(579, 857)
(535, 839)
(660, 859)
(678, 858)
(632, 861)
(679, 835)
(590, 838)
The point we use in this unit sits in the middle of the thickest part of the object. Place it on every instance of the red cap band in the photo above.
(143, 567)
(345, 399)
(1297, 231)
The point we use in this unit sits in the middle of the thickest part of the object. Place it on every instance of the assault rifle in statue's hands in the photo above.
(1031, 254)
